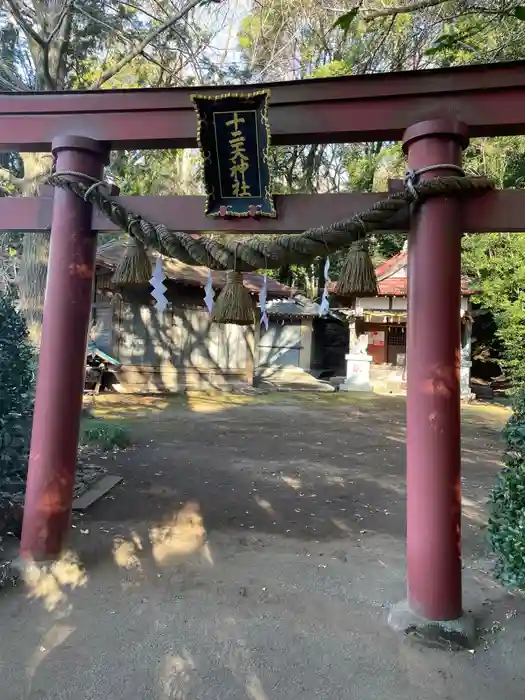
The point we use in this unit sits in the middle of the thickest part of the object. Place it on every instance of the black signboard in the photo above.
(234, 133)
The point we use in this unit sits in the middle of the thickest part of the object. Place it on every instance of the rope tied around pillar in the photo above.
(412, 176)
(95, 183)
(255, 253)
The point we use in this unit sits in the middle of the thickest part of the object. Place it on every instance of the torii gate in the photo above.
(433, 112)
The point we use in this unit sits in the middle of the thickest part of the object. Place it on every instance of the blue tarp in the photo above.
(93, 350)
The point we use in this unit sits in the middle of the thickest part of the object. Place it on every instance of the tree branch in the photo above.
(121, 36)
(9, 78)
(28, 29)
(58, 24)
(48, 41)
(139, 48)
(64, 43)
(406, 9)
(37, 39)
(7, 177)
(45, 69)
(139, 9)
(101, 22)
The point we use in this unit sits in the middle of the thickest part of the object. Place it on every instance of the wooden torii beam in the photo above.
(379, 107)
(492, 211)
(434, 112)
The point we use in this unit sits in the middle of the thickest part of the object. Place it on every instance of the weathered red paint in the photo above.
(493, 211)
(61, 366)
(489, 98)
(433, 398)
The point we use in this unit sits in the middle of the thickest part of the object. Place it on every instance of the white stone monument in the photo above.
(465, 363)
(358, 366)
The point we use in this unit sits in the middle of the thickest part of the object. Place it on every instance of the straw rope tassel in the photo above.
(135, 265)
(234, 304)
(358, 276)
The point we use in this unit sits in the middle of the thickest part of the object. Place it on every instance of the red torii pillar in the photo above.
(433, 389)
(61, 366)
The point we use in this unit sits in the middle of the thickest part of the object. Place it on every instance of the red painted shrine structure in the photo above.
(433, 112)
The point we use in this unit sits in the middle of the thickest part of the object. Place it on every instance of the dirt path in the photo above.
(303, 469)
(252, 551)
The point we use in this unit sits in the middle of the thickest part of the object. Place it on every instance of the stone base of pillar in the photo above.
(357, 373)
(450, 635)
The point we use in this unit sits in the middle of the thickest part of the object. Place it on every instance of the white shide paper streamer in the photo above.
(157, 282)
(324, 306)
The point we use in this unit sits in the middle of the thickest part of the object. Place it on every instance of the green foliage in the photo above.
(16, 392)
(344, 21)
(387, 245)
(158, 172)
(101, 434)
(507, 502)
(334, 69)
(456, 40)
(481, 36)
(496, 263)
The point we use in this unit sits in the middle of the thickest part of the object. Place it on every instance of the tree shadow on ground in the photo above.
(317, 468)
(325, 474)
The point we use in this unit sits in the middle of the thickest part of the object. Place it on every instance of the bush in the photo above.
(16, 392)
(507, 502)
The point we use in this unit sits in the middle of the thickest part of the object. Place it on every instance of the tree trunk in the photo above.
(32, 277)
(32, 273)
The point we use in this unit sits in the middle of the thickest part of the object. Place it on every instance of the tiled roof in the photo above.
(392, 265)
(299, 306)
(109, 255)
(398, 286)
(393, 286)
(293, 307)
